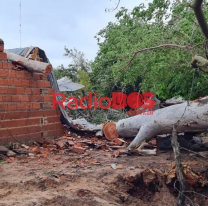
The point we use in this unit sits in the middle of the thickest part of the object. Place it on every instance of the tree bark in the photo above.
(200, 16)
(179, 168)
(193, 118)
(31, 65)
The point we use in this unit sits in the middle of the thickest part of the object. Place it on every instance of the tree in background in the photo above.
(78, 70)
(151, 49)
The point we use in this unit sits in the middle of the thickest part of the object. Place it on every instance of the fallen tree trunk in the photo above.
(193, 118)
(31, 65)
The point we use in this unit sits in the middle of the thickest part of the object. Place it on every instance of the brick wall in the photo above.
(26, 112)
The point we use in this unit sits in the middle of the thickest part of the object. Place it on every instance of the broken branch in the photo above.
(186, 47)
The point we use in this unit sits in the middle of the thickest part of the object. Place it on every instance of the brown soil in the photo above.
(87, 180)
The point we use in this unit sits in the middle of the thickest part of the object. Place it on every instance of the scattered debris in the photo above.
(191, 177)
(3, 150)
(11, 154)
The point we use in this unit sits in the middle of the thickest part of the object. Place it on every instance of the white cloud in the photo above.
(51, 25)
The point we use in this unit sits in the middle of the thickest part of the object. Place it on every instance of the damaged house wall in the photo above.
(26, 112)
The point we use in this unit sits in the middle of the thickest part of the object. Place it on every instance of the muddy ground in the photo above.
(88, 180)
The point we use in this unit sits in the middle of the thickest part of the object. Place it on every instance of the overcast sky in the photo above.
(53, 24)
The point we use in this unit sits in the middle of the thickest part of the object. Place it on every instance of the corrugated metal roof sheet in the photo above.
(18, 51)
(66, 84)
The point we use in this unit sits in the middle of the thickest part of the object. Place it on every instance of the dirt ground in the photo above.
(86, 179)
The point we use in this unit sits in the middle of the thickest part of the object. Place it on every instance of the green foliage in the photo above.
(78, 70)
(165, 71)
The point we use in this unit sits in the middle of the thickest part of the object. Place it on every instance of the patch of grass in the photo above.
(2, 162)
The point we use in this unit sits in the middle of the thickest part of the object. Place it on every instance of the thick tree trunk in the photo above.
(193, 118)
(31, 65)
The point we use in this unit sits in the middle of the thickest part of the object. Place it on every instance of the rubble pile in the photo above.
(69, 143)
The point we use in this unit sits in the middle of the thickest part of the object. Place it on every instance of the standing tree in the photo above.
(172, 31)
(78, 70)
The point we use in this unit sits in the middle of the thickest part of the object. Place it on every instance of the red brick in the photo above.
(47, 84)
(14, 131)
(4, 132)
(32, 98)
(5, 65)
(6, 82)
(20, 90)
(36, 128)
(25, 83)
(12, 107)
(4, 73)
(36, 91)
(25, 138)
(15, 98)
(3, 82)
(28, 91)
(54, 133)
(33, 121)
(7, 98)
(28, 75)
(11, 123)
(3, 107)
(1, 47)
(17, 83)
(80, 150)
(39, 98)
(22, 106)
(3, 56)
(50, 91)
(9, 82)
(33, 84)
(3, 90)
(12, 74)
(48, 113)
(36, 76)
(10, 65)
(36, 106)
(11, 90)
(53, 119)
(23, 130)
(40, 84)
(24, 99)
(9, 115)
(20, 75)
(48, 99)
(50, 126)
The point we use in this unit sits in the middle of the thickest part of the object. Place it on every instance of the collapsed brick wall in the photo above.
(26, 112)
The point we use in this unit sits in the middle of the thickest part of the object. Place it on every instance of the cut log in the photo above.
(193, 118)
(31, 65)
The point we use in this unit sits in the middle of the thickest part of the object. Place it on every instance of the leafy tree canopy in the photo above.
(166, 71)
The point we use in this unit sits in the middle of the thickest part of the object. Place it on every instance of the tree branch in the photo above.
(111, 10)
(187, 47)
(200, 16)
(117, 5)
(179, 167)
